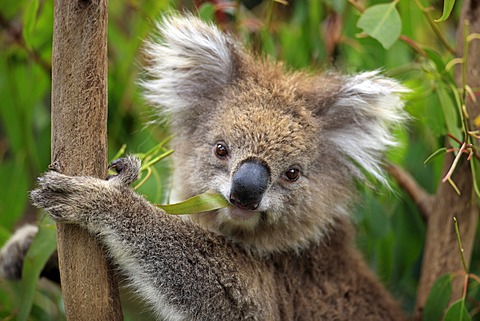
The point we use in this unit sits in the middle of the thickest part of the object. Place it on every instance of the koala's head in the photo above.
(284, 148)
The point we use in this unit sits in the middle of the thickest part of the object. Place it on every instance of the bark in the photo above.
(441, 253)
(79, 147)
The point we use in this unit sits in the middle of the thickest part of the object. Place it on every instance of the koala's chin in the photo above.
(246, 219)
(230, 221)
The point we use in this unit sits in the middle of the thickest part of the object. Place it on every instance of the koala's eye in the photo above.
(292, 174)
(221, 150)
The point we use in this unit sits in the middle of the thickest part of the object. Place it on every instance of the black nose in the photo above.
(250, 182)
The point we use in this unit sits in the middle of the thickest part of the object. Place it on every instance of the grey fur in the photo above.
(291, 259)
(188, 273)
(13, 252)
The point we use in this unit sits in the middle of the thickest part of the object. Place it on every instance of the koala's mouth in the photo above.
(241, 214)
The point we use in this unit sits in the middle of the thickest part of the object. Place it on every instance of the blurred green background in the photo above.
(313, 34)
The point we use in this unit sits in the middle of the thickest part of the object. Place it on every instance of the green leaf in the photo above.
(447, 10)
(14, 188)
(29, 20)
(377, 219)
(200, 203)
(438, 152)
(440, 66)
(476, 176)
(438, 298)
(436, 58)
(457, 312)
(450, 113)
(268, 43)
(42, 247)
(382, 22)
(207, 12)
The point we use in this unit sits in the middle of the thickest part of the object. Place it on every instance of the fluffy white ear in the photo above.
(190, 61)
(360, 120)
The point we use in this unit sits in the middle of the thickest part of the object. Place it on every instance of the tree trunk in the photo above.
(79, 147)
(441, 253)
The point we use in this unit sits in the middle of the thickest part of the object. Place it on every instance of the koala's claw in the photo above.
(127, 169)
(56, 166)
(61, 195)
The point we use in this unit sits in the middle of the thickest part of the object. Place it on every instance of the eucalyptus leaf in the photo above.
(14, 183)
(197, 204)
(436, 58)
(447, 10)
(438, 152)
(476, 176)
(438, 298)
(457, 312)
(450, 113)
(207, 12)
(42, 247)
(29, 20)
(382, 22)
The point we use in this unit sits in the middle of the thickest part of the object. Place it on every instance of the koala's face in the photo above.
(283, 148)
(260, 146)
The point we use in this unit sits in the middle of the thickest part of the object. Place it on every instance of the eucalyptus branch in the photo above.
(468, 144)
(473, 36)
(465, 56)
(455, 139)
(120, 152)
(410, 42)
(269, 17)
(436, 29)
(459, 242)
(156, 149)
(149, 173)
(475, 277)
(356, 5)
(414, 45)
(454, 164)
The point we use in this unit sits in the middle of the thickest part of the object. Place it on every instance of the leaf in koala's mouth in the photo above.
(197, 204)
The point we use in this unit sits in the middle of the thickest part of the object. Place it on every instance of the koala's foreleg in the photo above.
(182, 270)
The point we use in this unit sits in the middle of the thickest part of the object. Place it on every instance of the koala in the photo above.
(16, 247)
(284, 148)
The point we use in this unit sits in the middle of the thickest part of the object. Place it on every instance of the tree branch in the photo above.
(79, 147)
(441, 253)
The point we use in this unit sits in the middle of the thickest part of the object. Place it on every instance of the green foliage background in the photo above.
(313, 34)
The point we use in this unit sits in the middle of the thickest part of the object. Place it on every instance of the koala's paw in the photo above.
(71, 199)
(12, 254)
(127, 169)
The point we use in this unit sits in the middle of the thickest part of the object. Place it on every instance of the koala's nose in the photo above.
(249, 183)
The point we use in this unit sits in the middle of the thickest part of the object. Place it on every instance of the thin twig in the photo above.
(459, 241)
(454, 164)
(357, 6)
(437, 31)
(414, 45)
(149, 173)
(455, 139)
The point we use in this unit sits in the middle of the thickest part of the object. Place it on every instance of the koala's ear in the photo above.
(190, 62)
(358, 120)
